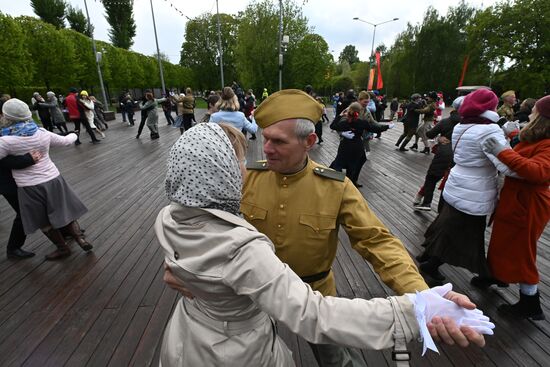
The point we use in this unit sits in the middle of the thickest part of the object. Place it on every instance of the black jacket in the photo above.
(7, 183)
(443, 158)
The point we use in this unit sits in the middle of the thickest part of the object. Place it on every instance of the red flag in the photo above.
(379, 82)
(371, 79)
(464, 68)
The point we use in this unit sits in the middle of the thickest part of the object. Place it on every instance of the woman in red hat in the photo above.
(457, 235)
(523, 211)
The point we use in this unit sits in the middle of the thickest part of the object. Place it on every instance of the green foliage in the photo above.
(50, 11)
(36, 56)
(15, 59)
(78, 22)
(120, 16)
(342, 83)
(310, 63)
(349, 54)
(257, 45)
(515, 38)
(200, 49)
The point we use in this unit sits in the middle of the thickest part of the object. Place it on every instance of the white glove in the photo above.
(510, 127)
(430, 303)
(391, 125)
(348, 134)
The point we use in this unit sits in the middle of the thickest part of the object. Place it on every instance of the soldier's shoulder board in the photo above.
(329, 173)
(257, 166)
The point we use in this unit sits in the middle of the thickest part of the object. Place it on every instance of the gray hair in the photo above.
(304, 128)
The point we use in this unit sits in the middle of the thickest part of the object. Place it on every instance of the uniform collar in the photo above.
(286, 179)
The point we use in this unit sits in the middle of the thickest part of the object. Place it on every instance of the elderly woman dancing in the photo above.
(240, 286)
(46, 201)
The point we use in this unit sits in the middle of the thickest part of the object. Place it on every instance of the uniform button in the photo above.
(285, 186)
(252, 216)
(284, 178)
(176, 255)
(279, 226)
(281, 206)
(322, 170)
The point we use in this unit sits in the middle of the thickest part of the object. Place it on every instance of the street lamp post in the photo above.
(374, 32)
(97, 60)
(158, 51)
(220, 44)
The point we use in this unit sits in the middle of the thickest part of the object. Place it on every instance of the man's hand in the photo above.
(175, 283)
(443, 140)
(36, 155)
(445, 330)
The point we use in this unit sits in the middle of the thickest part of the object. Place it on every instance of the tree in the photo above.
(310, 63)
(51, 52)
(349, 54)
(78, 21)
(17, 66)
(120, 17)
(199, 50)
(257, 46)
(515, 37)
(50, 11)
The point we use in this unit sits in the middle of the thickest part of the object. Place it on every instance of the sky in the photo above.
(329, 18)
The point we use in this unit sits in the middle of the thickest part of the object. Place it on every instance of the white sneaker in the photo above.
(424, 208)
(418, 199)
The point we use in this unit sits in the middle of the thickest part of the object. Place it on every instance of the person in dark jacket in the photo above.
(443, 159)
(525, 109)
(43, 111)
(394, 106)
(410, 122)
(8, 189)
(344, 103)
(351, 153)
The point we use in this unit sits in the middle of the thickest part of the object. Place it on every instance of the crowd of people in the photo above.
(261, 258)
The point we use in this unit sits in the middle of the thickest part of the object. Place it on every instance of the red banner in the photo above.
(464, 68)
(379, 82)
(371, 79)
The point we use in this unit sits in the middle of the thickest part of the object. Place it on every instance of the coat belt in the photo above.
(228, 328)
(315, 277)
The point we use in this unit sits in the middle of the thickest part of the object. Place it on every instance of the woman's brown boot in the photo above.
(57, 239)
(74, 230)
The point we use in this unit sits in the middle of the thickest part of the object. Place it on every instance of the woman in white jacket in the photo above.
(457, 235)
(239, 284)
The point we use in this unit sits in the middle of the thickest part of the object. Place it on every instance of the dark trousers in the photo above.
(124, 113)
(328, 355)
(17, 234)
(429, 187)
(142, 123)
(319, 130)
(169, 118)
(86, 124)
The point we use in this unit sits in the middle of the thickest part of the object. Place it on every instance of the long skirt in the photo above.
(51, 203)
(457, 238)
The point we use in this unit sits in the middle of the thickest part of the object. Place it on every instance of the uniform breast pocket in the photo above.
(318, 226)
(253, 212)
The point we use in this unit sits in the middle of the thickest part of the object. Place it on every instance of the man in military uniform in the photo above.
(507, 108)
(300, 205)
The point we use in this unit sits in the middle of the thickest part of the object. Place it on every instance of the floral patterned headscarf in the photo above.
(203, 170)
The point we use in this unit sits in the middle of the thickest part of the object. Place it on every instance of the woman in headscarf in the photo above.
(55, 112)
(457, 235)
(238, 283)
(46, 201)
(523, 212)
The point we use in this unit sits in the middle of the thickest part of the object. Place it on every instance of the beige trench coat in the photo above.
(240, 287)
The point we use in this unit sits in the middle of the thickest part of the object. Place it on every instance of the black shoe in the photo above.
(96, 141)
(431, 272)
(403, 149)
(137, 136)
(78, 142)
(413, 147)
(486, 282)
(378, 136)
(19, 254)
(528, 307)
(358, 185)
(155, 136)
(423, 257)
(426, 150)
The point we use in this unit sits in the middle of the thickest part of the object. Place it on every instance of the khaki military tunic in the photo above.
(301, 214)
(506, 111)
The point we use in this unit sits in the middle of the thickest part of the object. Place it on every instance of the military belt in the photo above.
(315, 277)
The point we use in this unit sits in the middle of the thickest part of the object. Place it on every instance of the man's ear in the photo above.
(310, 141)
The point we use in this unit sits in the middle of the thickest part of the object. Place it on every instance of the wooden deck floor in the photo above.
(109, 307)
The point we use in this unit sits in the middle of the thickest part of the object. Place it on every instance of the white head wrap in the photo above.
(203, 170)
